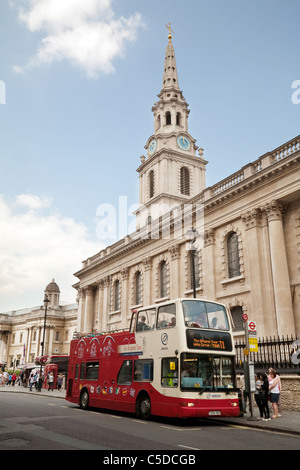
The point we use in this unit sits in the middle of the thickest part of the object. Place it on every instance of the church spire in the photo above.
(171, 110)
(170, 78)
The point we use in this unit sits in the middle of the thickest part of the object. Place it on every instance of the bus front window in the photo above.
(201, 314)
(201, 372)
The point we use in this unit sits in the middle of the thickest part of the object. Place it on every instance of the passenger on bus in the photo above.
(214, 324)
(142, 325)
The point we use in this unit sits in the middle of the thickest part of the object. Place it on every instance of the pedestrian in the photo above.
(265, 396)
(51, 381)
(13, 379)
(258, 395)
(9, 379)
(60, 379)
(274, 388)
(245, 394)
(31, 381)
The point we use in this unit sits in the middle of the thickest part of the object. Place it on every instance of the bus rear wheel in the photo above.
(143, 406)
(84, 400)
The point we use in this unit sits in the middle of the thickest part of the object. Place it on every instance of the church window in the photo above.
(138, 288)
(151, 183)
(185, 181)
(237, 317)
(117, 295)
(233, 255)
(163, 279)
(168, 118)
(178, 119)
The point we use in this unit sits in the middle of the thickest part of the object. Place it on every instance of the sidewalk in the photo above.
(288, 423)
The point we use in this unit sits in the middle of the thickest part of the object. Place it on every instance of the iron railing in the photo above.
(282, 354)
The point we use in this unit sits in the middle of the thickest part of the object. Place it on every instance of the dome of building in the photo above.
(52, 287)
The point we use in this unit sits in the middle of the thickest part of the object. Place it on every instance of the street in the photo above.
(30, 422)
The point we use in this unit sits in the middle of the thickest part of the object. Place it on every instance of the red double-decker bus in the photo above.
(176, 360)
(59, 364)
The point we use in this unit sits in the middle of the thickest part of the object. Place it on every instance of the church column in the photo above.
(280, 273)
(105, 302)
(124, 297)
(38, 341)
(174, 250)
(80, 315)
(147, 288)
(50, 343)
(252, 221)
(100, 306)
(88, 314)
(209, 287)
(28, 343)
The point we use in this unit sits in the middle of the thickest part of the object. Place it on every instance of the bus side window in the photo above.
(143, 370)
(92, 370)
(169, 372)
(125, 373)
(76, 371)
(82, 370)
(166, 317)
(146, 320)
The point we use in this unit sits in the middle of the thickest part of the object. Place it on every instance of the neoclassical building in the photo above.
(22, 331)
(248, 244)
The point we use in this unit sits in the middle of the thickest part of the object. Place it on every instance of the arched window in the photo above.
(163, 279)
(185, 181)
(117, 295)
(138, 288)
(233, 258)
(151, 183)
(168, 118)
(237, 317)
(178, 119)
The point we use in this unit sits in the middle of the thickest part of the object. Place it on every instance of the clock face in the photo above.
(152, 146)
(183, 143)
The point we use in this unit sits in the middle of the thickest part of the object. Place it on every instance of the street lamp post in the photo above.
(191, 235)
(46, 301)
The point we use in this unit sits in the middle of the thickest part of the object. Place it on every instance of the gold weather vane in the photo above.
(170, 32)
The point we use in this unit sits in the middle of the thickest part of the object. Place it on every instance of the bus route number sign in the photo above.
(208, 340)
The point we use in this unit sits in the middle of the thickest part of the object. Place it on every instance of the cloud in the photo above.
(84, 32)
(36, 245)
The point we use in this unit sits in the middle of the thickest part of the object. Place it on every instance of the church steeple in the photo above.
(171, 111)
(172, 172)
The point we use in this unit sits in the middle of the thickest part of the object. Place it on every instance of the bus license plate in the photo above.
(214, 413)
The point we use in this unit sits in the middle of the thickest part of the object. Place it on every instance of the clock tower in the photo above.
(174, 169)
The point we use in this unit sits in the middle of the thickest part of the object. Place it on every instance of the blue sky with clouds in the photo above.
(78, 81)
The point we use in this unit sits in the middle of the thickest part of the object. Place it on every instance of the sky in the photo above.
(78, 80)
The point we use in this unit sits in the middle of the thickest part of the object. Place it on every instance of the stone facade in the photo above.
(248, 243)
(290, 392)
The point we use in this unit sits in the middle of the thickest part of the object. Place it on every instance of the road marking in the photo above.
(187, 447)
(269, 431)
(181, 429)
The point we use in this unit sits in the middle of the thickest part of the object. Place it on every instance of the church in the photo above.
(236, 242)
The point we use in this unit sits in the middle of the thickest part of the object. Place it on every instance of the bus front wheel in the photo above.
(84, 400)
(143, 406)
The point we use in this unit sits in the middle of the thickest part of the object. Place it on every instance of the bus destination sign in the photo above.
(208, 340)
